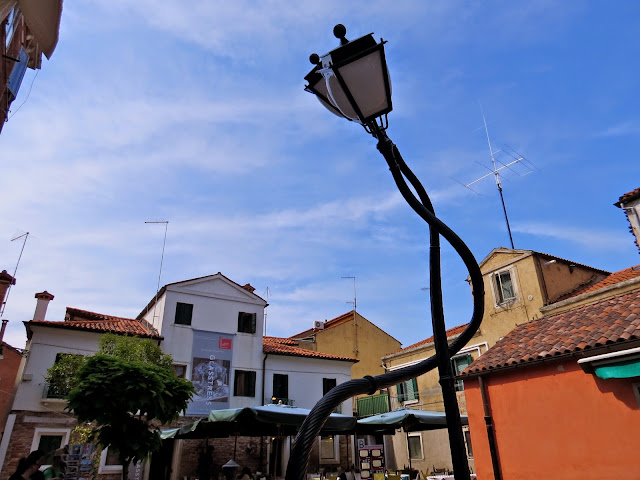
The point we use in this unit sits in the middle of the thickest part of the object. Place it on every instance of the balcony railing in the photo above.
(373, 405)
(53, 391)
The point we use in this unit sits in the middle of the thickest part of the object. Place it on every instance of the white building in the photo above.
(208, 324)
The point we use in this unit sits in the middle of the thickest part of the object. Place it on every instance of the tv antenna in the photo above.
(266, 295)
(164, 242)
(6, 298)
(495, 171)
(355, 322)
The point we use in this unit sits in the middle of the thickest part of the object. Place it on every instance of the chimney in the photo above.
(249, 288)
(6, 281)
(41, 307)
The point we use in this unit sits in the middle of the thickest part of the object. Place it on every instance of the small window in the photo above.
(328, 384)
(244, 384)
(505, 287)
(184, 312)
(408, 391)
(246, 322)
(467, 441)
(180, 371)
(459, 363)
(329, 448)
(281, 387)
(415, 446)
(48, 440)
(109, 461)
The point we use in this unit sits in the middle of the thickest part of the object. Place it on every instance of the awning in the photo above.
(408, 419)
(618, 364)
(626, 369)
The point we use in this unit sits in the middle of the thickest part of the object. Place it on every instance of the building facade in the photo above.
(213, 328)
(560, 396)
(517, 283)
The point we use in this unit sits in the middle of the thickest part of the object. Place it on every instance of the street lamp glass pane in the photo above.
(365, 81)
(339, 99)
(321, 88)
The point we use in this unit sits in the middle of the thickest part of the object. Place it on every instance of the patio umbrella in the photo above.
(274, 420)
(408, 419)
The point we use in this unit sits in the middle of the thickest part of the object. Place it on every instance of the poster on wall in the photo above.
(371, 460)
(210, 371)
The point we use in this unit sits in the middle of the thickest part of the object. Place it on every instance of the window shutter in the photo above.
(252, 384)
(253, 323)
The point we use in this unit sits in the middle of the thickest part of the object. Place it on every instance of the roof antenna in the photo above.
(266, 294)
(495, 171)
(6, 298)
(355, 323)
(166, 225)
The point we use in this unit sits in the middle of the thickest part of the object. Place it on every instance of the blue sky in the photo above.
(197, 115)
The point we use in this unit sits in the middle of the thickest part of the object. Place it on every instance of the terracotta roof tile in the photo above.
(77, 319)
(627, 197)
(288, 346)
(452, 332)
(565, 333)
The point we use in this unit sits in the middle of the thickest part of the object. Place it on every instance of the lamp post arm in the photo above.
(314, 422)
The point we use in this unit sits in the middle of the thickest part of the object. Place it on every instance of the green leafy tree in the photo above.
(61, 378)
(124, 394)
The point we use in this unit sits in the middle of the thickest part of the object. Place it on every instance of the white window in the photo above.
(109, 462)
(459, 363)
(48, 440)
(415, 446)
(329, 449)
(504, 287)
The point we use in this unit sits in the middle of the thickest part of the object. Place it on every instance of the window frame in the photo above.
(104, 468)
(466, 434)
(180, 313)
(282, 384)
(177, 366)
(459, 385)
(417, 435)
(250, 384)
(403, 397)
(336, 449)
(498, 290)
(247, 322)
(39, 432)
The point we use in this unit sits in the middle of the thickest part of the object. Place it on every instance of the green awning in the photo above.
(625, 369)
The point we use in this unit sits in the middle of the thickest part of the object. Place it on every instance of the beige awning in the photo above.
(42, 17)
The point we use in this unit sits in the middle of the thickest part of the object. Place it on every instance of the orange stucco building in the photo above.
(559, 397)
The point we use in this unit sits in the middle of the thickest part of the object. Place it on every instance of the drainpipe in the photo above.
(262, 439)
(491, 435)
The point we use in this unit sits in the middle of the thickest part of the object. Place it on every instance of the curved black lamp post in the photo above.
(352, 81)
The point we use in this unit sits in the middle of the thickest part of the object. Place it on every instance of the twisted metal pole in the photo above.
(311, 427)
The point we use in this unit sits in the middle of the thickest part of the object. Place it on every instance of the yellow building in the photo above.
(353, 335)
(517, 283)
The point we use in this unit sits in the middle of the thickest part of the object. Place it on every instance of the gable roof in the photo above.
(76, 319)
(250, 289)
(627, 197)
(334, 322)
(541, 254)
(287, 346)
(616, 277)
(451, 334)
(607, 322)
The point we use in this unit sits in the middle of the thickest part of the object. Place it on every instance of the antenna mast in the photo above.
(166, 226)
(355, 322)
(495, 171)
(266, 294)
(25, 235)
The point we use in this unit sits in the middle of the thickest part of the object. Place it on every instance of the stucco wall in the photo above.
(555, 420)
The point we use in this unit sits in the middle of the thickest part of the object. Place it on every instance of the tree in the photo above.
(123, 395)
(61, 377)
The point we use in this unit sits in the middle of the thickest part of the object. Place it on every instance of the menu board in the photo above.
(371, 460)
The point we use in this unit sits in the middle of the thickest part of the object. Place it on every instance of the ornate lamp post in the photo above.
(353, 82)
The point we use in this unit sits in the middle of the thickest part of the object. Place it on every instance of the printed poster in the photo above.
(210, 371)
